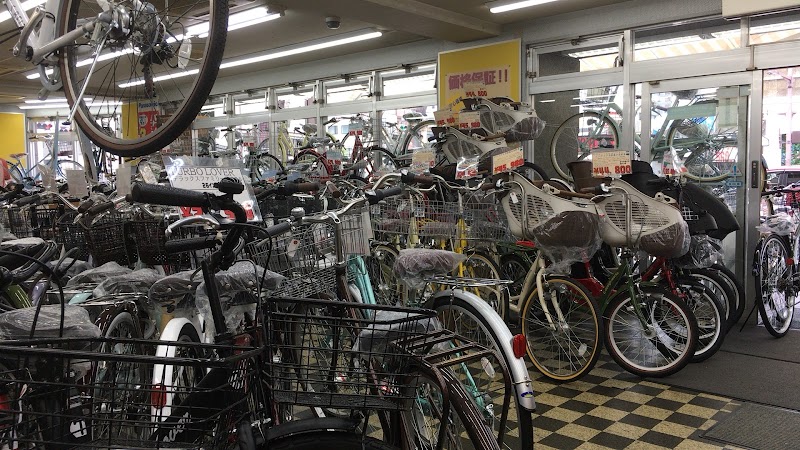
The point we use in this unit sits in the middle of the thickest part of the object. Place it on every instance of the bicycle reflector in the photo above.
(520, 345)
(158, 396)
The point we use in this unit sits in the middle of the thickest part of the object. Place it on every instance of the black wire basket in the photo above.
(44, 220)
(151, 242)
(19, 221)
(72, 235)
(108, 240)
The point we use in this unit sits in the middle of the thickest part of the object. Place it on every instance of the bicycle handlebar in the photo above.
(190, 244)
(167, 195)
(376, 196)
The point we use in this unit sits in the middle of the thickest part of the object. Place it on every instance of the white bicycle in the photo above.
(153, 64)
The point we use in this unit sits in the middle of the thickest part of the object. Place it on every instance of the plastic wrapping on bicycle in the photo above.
(27, 200)
(168, 196)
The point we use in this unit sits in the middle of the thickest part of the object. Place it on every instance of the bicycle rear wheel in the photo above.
(710, 315)
(776, 293)
(416, 138)
(575, 139)
(155, 70)
(563, 343)
(659, 343)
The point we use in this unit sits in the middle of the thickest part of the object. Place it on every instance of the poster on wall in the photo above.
(148, 117)
(491, 70)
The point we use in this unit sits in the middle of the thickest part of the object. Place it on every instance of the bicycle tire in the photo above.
(723, 288)
(671, 346)
(489, 337)
(186, 377)
(730, 277)
(315, 166)
(709, 312)
(561, 149)
(480, 265)
(513, 267)
(122, 326)
(388, 163)
(323, 439)
(67, 164)
(264, 165)
(532, 172)
(774, 285)
(414, 133)
(153, 44)
(673, 131)
(16, 174)
(385, 285)
(563, 354)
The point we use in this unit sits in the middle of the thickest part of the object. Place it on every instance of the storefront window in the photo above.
(687, 39)
(348, 92)
(775, 28)
(580, 59)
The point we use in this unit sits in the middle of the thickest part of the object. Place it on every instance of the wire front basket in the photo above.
(344, 355)
(108, 239)
(72, 235)
(110, 393)
(19, 221)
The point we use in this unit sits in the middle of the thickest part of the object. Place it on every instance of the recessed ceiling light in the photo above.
(503, 6)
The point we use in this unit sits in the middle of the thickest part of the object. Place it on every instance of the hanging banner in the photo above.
(493, 70)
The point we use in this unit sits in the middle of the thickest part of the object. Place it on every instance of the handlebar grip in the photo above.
(167, 195)
(85, 205)
(596, 190)
(333, 189)
(98, 208)
(291, 188)
(410, 178)
(377, 196)
(27, 200)
(278, 229)
(190, 244)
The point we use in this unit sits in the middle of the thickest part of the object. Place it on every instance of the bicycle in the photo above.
(21, 175)
(774, 266)
(103, 57)
(647, 332)
(694, 139)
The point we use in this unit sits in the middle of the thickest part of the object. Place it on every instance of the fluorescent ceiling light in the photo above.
(50, 100)
(207, 107)
(161, 78)
(547, 101)
(301, 49)
(45, 106)
(499, 7)
(27, 6)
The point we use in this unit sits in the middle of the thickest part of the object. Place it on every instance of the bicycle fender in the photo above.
(162, 373)
(309, 425)
(516, 366)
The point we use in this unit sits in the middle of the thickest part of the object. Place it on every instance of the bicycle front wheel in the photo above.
(155, 67)
(657, 341)
(575, 139)
(776, 293)
(563, 333)
(416, 138)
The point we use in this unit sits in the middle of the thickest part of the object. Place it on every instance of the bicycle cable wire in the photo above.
(13, 32)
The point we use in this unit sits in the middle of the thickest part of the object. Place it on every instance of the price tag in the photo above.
(445, 118)
(147, 174)
(78, 187)
(469, 119)
(335, 156)
(507, 161)
(475, 90)
(610, 163)
(355, 129)
(203, 178)
(48, 181)
(422, 159)
(124, 179)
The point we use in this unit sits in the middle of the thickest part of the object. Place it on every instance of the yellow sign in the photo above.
(493, 70)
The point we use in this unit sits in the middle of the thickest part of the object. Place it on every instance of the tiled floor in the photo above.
(612, 409)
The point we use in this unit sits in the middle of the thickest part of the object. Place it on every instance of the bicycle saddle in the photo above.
(73, 323)
(413, 116)
(310, 128)
(178, 285)
(413, 265)
(18, 155)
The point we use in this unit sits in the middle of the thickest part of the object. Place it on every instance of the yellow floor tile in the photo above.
(619, 384)
(676, 396)
(594, 399)
(550, 400)
(639, 445)
(697, 411)
(592, 446)
(626, 430)
(608, 413)
(652, 412)
(697, 445)
(674, 429)
(561, 414)
(635, 397)
(578, 432)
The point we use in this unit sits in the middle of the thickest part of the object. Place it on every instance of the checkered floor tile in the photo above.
(612, 409)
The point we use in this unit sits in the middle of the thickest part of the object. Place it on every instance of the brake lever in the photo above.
(192, 220)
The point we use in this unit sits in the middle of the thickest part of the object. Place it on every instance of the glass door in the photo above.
(698, 127)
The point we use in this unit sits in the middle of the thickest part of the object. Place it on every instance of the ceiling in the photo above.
(401, 21)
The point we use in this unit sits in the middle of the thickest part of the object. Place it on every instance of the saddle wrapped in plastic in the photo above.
(567, 237)
(671, 242)
(414, 265)
(781, 224)
(136, 282)
(50, 323)
(98, 274)
(704, 251)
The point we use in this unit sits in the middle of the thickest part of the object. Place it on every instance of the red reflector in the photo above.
(789, 261)
(5, 402)
(520, 345)
(158, 396)
(528, 244)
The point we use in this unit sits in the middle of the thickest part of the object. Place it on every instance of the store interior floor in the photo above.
(745, 396)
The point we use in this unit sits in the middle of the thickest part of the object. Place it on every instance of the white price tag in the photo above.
(469, 119)
(514, 198)
(48, 181)
(445, 118)
(124, 179)
(610, 163)
(467, 168)
(147, 174)
(78, 187)
(422, 160)
(472, 89)
(507, 161)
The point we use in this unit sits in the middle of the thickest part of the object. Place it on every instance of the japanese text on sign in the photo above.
(423, 159)
(488, 77)
(610, 163)
(475, 90)
(202, 179)
(508, 160)
(445, 118)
